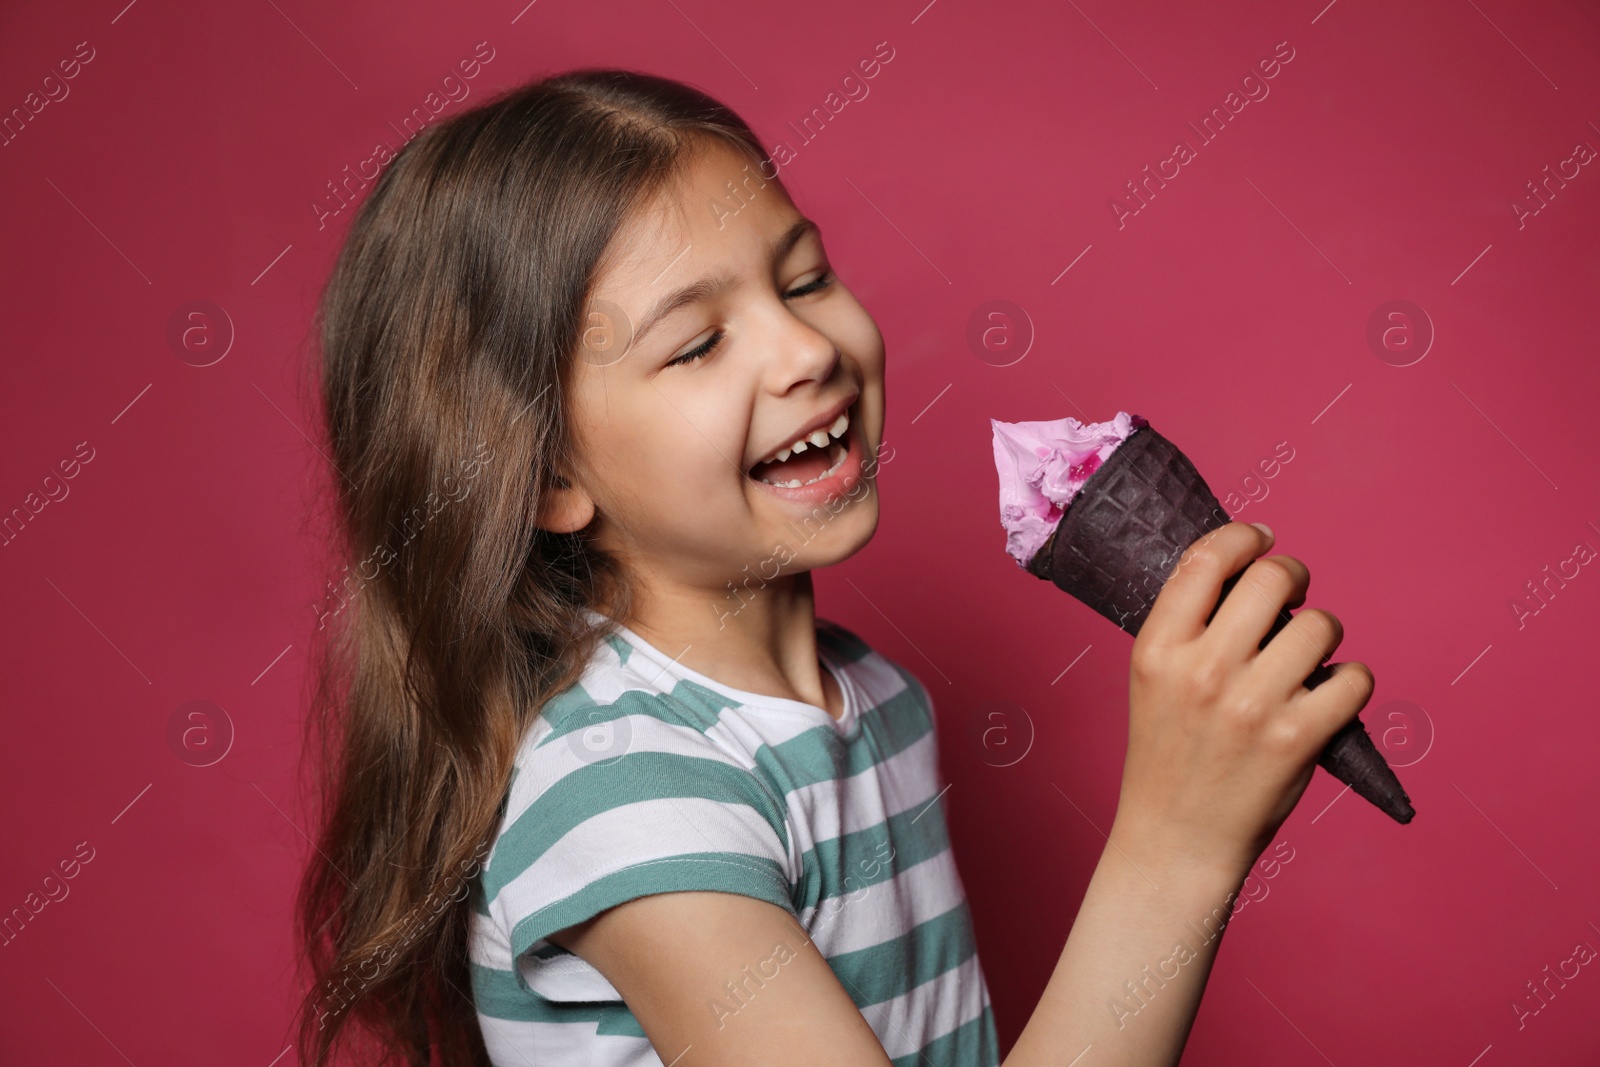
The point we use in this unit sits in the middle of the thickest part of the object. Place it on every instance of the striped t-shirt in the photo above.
(649, 777)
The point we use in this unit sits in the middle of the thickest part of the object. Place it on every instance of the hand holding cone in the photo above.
(1119, 538)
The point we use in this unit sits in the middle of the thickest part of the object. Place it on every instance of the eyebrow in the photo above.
(715, 284)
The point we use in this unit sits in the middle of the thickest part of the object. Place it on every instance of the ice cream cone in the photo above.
(1121, 537)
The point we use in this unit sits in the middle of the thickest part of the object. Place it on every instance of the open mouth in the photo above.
(810, 459)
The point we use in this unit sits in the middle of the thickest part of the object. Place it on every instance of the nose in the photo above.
(803, 353)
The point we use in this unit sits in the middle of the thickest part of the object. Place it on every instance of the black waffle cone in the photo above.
(1120, 539)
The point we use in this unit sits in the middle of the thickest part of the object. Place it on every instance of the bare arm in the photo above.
(720, 980)
(675, 957)
(1222, 743)
(1129, 981)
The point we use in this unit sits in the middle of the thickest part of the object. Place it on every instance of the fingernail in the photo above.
(1264, 528)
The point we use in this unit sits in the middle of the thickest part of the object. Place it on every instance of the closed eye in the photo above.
(710, 343)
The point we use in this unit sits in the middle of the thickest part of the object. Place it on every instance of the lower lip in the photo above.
(838, 483)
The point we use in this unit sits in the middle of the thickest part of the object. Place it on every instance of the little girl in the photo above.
(601, 786)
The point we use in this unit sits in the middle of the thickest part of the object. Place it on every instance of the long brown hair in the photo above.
(448, 333)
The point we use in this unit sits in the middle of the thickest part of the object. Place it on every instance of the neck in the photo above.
(761, 638)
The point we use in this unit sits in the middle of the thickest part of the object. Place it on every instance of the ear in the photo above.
(564, 507)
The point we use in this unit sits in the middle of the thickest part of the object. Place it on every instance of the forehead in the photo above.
(716, 212)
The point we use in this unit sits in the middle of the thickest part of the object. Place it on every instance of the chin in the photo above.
(842, 536)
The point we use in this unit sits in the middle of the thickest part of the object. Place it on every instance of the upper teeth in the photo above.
(816, 437)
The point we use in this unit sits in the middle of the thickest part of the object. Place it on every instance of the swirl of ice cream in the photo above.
(1042, 466)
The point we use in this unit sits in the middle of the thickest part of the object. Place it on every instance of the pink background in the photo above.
(1231, 311)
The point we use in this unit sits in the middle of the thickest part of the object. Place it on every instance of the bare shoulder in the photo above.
(723, 979)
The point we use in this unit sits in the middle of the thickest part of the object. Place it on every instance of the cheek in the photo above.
(861, 343)
(862, 339)
(665, 454)
(679, 454)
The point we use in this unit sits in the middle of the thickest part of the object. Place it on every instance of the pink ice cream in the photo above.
(1042, 466)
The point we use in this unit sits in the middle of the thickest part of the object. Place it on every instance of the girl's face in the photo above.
(718, 337)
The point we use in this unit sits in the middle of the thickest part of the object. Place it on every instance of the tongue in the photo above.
(804, 466)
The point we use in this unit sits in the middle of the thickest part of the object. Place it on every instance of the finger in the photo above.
(1191, 591)
(1323, 710)
(1311, 637)
(1258, 598)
